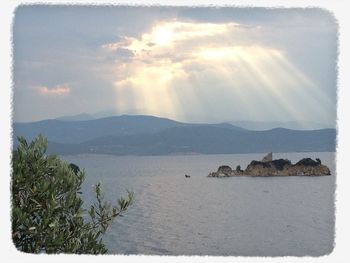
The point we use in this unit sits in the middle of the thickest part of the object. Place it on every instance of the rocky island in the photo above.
(279, 167)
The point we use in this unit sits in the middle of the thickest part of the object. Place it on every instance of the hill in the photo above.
(268, 125)
(204, 140)
(77, 131)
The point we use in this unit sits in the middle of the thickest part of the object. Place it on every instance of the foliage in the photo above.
(278, 163)
(281, 163)
(308, 162)
(263, 164)
(47, 208)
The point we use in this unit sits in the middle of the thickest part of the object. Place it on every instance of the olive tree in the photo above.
(48, 213)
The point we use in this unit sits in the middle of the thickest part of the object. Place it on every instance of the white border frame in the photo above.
(340, 10)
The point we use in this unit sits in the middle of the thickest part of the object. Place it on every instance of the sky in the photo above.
(188, 64)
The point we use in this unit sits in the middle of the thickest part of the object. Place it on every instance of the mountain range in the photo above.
(246, 124)
(268, 125)
(149, 135)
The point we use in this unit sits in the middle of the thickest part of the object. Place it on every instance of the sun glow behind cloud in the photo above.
(185, 69)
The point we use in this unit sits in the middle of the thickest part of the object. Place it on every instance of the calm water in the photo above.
(246, 216)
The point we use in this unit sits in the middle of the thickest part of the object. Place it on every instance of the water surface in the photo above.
(246, 216)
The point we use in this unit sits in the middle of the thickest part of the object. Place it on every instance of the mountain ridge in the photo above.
(62, 131)
(205, 140)
(149, 135)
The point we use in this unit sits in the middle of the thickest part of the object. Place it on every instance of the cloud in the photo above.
(183, 68)
(155, 79)
(167, 37)
(59, 90)
(191, 64)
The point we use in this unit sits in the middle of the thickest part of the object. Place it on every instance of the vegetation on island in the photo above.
(278, 167)
(48, 213)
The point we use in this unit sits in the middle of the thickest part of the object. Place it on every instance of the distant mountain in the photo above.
(78, 117)
(267, 125)
(148, 135)
(204, 140)
(77, 131)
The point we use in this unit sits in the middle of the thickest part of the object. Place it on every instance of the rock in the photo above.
(278, 167)
(224, 169)
(274, 167)
(267, 158)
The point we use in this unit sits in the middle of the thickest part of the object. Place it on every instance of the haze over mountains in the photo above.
(249, 125)
(148, 135)
(294, 125)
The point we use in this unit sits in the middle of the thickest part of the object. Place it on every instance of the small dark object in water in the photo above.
(187, 176)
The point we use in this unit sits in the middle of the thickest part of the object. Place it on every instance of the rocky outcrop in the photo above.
(267, 158)
(279, 167)
(225, 169)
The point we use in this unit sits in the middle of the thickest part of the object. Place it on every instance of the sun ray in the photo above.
(179, 69)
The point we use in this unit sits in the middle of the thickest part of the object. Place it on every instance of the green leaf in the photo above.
(47, 209)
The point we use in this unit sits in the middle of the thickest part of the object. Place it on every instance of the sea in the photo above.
(236, 216)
